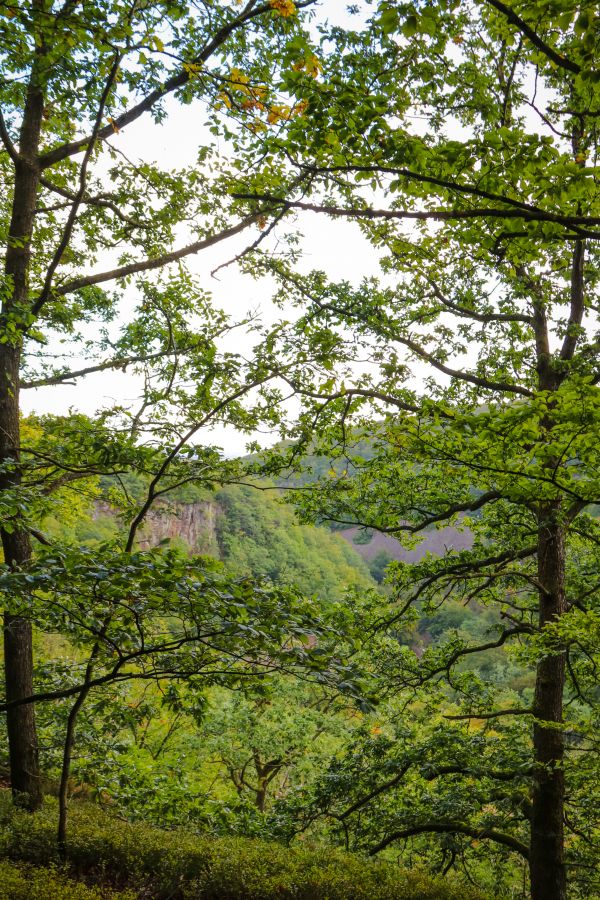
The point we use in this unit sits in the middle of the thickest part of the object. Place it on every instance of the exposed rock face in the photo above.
(195, 524)
(436, 542)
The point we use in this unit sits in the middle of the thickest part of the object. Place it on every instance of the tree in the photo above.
(153, 615)
(75, 76)
(271, 737)
(476, 125)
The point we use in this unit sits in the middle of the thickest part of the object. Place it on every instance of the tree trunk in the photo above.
(260, 791)
(18, 650)
(261, 796)
(20, 720)
(63, 790)
(547, 866)
(18, 656)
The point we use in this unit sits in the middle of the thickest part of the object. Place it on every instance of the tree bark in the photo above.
(547, 865)
(20, 720)
(546, 850)
(18, 654)
(63, 790)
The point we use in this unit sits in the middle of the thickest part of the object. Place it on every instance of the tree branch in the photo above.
(375, 792)
(480, 834)
(492, 715)
(467, 313)
(146, 265)
(459, 374)
(423, 178)
(357, 392)
(118, 363)
(101, 200)
(6, 140)
(578, 225)
(152, 487)
(577, 302)
(535, 39)
(177, 80)
(72, 217)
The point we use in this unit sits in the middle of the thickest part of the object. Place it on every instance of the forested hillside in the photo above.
(300, 449)
(249, 528)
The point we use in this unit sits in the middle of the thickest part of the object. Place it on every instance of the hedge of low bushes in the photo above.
(24, 882)
(180, 865)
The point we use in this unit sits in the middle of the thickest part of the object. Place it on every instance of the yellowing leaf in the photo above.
(192, 69)
(238, 80)
(284, 8)
(310, 64)
(257, 126)
(155, 41)
(278, 113)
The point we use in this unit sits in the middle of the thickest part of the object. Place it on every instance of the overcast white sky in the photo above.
(337, 247)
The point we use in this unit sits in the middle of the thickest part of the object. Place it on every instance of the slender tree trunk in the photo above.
(18, 656)
(18, 651)
(260, 792)
(63, 790)
(547, 866)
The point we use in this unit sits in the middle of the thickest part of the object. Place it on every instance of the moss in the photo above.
(178, 864)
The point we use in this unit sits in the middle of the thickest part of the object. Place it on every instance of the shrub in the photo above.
(23, 882)
(177, 864)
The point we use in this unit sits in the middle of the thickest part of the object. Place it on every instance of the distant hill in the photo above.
(252, 531)
(437, 542)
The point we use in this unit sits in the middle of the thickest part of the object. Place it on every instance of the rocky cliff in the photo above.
(193, 524)
(196, 525)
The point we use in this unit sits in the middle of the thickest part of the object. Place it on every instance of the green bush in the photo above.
(176, 864)
(22, 882)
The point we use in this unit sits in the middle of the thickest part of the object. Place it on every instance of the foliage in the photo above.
(257, 534)
(176, 864)
(462, 139)
(21, 882)
(163, 613)
(95, 250)
(270, 739)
